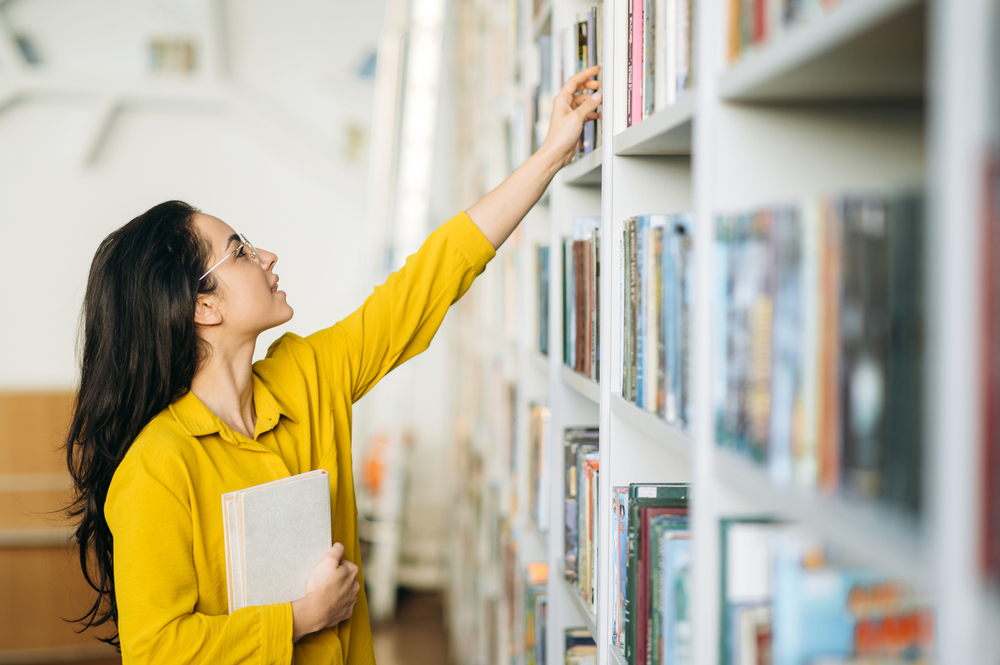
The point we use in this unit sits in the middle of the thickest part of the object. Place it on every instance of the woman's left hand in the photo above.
(569, 111)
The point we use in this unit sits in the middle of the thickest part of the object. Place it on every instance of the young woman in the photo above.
(172, 413)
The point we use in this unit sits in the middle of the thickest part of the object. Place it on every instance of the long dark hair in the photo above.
(140, 352)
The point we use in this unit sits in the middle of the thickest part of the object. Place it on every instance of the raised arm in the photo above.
(500, 211)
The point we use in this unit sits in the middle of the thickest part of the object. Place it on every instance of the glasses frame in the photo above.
(245, 243)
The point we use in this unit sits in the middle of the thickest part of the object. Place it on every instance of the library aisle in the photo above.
(729, 394)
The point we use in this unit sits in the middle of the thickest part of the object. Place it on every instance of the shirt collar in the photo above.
(197, 420)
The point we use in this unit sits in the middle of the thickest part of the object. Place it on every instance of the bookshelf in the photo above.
(873, 96)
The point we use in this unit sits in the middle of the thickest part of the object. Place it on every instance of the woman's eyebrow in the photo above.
(235, 236)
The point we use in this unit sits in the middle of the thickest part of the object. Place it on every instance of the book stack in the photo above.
(754, 23)
(659, 58)
(538, 472)
(580, 647)
(650, 573)
(581, 470)
(657, 290)
(818, 358)
(788, 599)
(535, 606)
(542, 281)
(580, 47)
(581, 297)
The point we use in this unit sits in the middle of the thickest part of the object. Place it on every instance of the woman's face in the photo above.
(246, 296)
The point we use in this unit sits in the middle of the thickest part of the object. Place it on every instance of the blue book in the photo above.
(641, 238)
(675, 566)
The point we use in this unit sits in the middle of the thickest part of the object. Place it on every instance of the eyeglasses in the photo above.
(246, 243)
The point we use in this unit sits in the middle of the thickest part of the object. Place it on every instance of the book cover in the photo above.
(277, 533)
(543, 299)
(659, 319)
(687, 268)
(647, 560)
(720, 324)
(633, 306)
(653, 311)
(580, 257)
(804, 445)
(828, 439)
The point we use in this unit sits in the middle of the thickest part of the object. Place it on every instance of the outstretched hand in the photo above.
(569, 111)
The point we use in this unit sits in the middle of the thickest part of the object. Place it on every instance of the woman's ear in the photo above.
(206, 311)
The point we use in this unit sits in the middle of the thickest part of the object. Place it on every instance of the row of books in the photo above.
(657, 291)
(650, 574)
(660, 62)
(581, 649)
(581, 297)
(580, 47)
(542, 283)
(754, 23)
(581, 469)
(538, 474)
(536, 578)
(789, 599)
(818, 349)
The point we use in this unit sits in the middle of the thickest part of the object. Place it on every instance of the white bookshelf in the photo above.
(875, 95)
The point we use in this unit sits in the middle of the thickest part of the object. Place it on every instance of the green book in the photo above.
(643, 496)
(657, 527)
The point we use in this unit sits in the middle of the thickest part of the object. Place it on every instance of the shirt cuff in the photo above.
(470, 240)
(276, 633)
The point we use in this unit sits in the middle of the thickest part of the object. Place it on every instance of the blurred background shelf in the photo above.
(671, 437)
(871, 533)
(581, 384)
(869, 50)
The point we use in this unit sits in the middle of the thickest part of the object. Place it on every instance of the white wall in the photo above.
(290, 172)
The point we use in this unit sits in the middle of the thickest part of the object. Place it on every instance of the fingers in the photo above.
(336, 552)
(588, 105)
(574, 82)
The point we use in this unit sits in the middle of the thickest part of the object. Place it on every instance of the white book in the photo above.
(275, 534)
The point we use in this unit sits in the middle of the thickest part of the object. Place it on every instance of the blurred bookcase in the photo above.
(861, 96)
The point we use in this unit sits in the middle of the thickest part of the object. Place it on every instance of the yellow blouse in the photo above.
(164, 504)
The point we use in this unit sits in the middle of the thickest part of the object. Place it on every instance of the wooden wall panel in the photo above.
(32, 429)
(19, 510)
(46, 587)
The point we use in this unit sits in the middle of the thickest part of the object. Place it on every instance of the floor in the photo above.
(416, 636)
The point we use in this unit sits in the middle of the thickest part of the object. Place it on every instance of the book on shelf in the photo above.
(659, 56)
(275, 535)
(818, 357)
(990, 377)
(787, 598)
(542, 280)
(542, 94)
(581, 297)
(657, 292)
(753, 24)
(535, 612)
(581, 46)
(580, 445)
(581, 649)
(538, 473)
(654, 511)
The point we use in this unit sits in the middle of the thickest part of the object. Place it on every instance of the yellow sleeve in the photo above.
(401, 317)
(156, 585)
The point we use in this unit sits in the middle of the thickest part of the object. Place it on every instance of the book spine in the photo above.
(595, 293)
(682, 47)
(660, 401)
(630, 64)
(642, 240)
(828, 417)
(648, 62)
(637, 60)
(633, 295)
(580, 309)
(632, 580)
(623, 299)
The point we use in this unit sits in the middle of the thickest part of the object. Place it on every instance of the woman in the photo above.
(172, 413)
